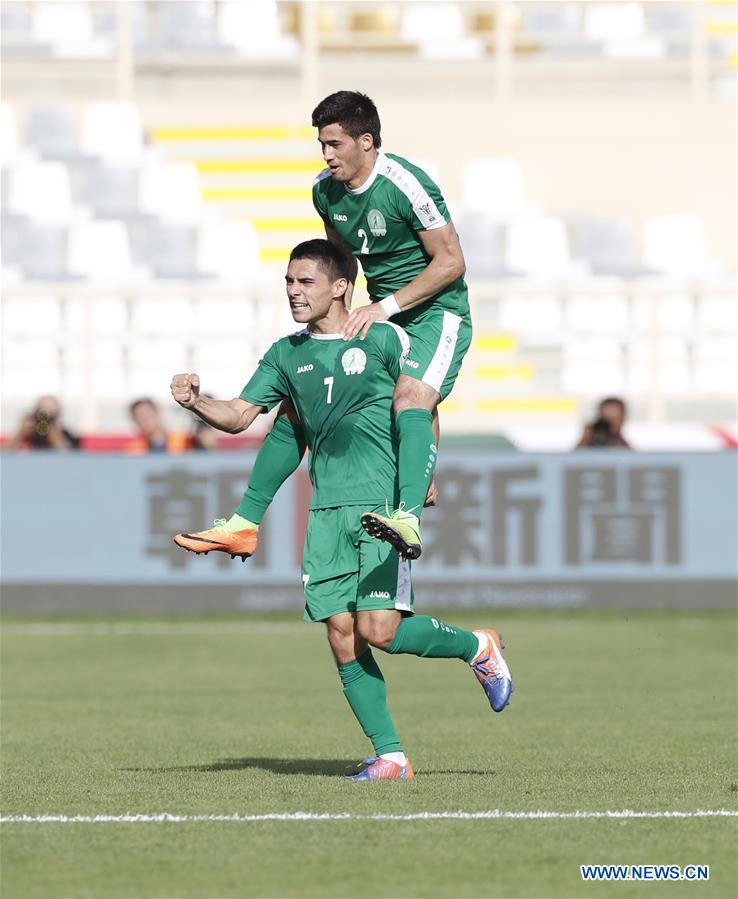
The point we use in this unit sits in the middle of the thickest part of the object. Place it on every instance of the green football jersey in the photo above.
(379, 222)
(342, 391)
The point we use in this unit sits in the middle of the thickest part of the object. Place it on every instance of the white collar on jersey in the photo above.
(317, 336)
(370, 180)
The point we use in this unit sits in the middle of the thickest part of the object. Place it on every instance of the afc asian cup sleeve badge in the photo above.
(354, 361)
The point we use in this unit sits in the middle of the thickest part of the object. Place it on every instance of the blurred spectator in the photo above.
(606, 429)
(153, 436)
(42, 428)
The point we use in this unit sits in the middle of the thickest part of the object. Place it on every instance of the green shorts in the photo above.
(439, 340)
(346, 570)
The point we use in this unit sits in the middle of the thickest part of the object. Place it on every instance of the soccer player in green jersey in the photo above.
(392, 217)
(341, 392)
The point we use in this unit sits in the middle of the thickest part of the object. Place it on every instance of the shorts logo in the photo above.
(376, 222)
(301, 369)
(337, 217)
(379, 594)
(354, 361)
(411, 363)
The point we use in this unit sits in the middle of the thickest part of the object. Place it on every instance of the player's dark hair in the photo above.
(332, 260)
(354, 112)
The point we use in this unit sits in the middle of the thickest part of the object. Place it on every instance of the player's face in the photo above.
(309, 290)
(344, 156)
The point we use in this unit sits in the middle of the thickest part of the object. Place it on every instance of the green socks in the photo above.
(417, 457)
(366, 692)
(237, 523)
(424, 636)
(279, 456)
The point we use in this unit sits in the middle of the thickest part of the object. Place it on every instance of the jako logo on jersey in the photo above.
(411, 363)
(376, 222)
(301, 369)
(379, 594)
(337, 217)
(354, 361)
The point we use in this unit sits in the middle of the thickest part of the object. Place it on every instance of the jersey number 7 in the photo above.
(329, 383)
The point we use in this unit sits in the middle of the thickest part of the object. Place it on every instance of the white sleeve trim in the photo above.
(423, 205)
(403, 338)
(322, 175)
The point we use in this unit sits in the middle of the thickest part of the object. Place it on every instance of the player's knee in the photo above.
(412, 394)
(342, 642)
(377, 631)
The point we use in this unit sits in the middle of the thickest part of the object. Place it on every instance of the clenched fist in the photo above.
(186, 389)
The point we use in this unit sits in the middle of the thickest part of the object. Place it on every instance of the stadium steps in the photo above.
(259, 174)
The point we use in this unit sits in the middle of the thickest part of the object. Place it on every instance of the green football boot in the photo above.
(399, 528)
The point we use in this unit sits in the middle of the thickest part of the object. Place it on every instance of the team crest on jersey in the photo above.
(354, 361)
(376, 222)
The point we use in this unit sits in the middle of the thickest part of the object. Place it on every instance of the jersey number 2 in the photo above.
(365, 243)
(329, 383)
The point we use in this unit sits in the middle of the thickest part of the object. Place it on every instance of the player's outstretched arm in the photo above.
(231, 416)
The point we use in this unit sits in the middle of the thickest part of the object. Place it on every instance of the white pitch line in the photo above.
(154, 629)
(495, 814)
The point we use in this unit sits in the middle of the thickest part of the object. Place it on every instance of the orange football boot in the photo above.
(235, 543)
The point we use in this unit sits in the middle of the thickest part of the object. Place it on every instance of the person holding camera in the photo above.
(606, 429)
(42, 428)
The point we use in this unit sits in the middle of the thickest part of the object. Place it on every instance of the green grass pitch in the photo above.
(245, 715)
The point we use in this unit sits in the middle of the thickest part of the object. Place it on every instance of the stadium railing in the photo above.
(543, 351)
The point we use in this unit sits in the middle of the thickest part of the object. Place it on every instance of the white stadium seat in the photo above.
(108, 315)
(597, 314)
(99, 251)
(593, 349)
(536, 314)
(675, 244)
(439, 31)
(493, 188)
(670, 349)
(31, 316)
(538, 245)
(228, 250)
(674, 313)
(592, 379)
(26, 383)
(163, 315)
(112, 131)
(718, 313)
(8, 134)
(254, 30)
(614, 21)
(218, 314)
(234, 353)
(68, 28)
(171, 191)
(41, 191)
(673, 378)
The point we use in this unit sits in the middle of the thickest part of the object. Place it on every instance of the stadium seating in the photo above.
(179, 232)
(263, 30)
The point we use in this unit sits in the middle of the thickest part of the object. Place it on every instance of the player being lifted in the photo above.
(391, 216)
(342, 393)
